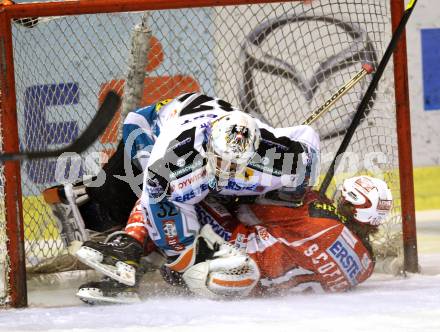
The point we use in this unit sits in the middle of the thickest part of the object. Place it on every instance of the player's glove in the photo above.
(229, 273)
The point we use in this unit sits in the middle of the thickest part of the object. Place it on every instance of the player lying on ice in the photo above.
(185, 148)
(278, 250)
(274, 249)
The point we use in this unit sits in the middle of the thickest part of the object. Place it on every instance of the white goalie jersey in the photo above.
(177, 166)
(168, 141)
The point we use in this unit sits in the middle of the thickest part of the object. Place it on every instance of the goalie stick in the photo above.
(371, 88)
(366, 69)
(102, 118)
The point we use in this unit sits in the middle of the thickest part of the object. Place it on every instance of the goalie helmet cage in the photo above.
(277, 59)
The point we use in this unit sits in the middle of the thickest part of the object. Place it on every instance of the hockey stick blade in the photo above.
(99, 123)
(371, 88)
(324, 108)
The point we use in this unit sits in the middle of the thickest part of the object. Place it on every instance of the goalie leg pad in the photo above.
(184, 260)
(196, 277)
(64, 201)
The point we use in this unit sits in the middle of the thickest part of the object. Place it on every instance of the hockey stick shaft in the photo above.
(99, 123)
(371, 88)
(366, 69)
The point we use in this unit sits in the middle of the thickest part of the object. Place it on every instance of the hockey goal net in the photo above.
(279, 60)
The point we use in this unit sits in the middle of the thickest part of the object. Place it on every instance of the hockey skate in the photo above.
(107, 291)
(118, 257)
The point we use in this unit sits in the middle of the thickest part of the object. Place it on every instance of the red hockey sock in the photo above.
(136, 223)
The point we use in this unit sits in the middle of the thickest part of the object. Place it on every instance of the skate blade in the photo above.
(94, 296)
(121, 272)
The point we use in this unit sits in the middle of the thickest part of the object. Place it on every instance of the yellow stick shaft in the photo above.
(366, 69)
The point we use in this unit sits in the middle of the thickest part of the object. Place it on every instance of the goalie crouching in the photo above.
(277, 250)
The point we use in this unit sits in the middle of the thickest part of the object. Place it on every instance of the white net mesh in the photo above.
(280, 61)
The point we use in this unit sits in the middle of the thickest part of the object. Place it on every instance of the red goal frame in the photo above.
(8, 113)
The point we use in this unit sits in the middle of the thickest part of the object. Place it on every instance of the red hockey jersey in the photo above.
(302, 249)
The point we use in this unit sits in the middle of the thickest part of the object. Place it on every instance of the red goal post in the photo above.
(10, 129)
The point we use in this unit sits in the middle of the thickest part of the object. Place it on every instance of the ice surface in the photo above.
(383, 303)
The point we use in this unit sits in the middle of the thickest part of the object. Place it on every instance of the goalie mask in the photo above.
(367, 199)
(233, 141)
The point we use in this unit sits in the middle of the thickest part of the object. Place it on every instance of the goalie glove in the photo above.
(230, 273)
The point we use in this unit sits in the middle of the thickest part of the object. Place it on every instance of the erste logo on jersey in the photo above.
(347, 259)
(242, 186)
(193, 193)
